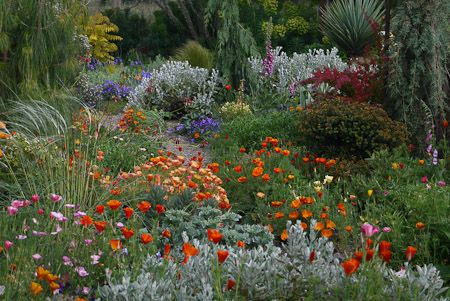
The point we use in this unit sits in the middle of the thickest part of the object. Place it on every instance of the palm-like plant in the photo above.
(350, 23)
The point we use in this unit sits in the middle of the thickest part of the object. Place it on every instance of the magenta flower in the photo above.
(12, 210)
(387, 229)
(369, 230)
(88, 241)
(424, 179)
(55, 197)
(35, 198)
(40, 211)
(8, 244)
(441, 183)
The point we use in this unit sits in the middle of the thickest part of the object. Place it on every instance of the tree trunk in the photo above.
(187, 18)
(385, 54)
(164, 5)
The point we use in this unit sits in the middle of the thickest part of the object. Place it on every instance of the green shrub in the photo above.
(196, 55)
(349, 129)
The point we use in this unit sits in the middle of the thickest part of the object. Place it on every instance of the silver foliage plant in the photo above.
(263, 273)
(176, 80)
(289, 70)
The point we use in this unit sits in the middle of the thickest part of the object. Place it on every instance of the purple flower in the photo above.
(268, 60)
(369, 230)
(67, 261)
(21, 237)
(81, 271)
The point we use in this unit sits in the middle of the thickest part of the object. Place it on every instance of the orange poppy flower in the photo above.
(296, 204)
(358, 255)
(167, 249)
(115, 244)
(319, 226)
(350, 266)
(265, 177)
(341, 209)
(286, 152)
(324, 215)
(240, 244)
(189, 250)
(214, 167)
(327, 233)
(294, 215)
(308, 200)
(42, 273)
(100, 226)
(385, 255)
(284, 235)
(277, 149)
(257, 172)
(305, 159)
(50, 277)
(410, 252)
(277, 170)
(276, 203)
(242, 180)
(330, 224)
(36, 288)
(238, 168)
(214, 235)
(146, 238)
(279, 215)
(54, 286)
(242, 150)
(114, 204)
(230, 284)
(222, 255)
(306, 213)
(166, 233)
(100, 209)
(369, 243)
(420, 225)
(86, 221)
(369, 254)
(144, 206)
(4, 135)
(385, 245)
(128, 212)
(421, 162)
(127, 232)
(192, 185)
(304, 226)
(348, 228)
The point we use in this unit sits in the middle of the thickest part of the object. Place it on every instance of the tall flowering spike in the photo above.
(268, 61)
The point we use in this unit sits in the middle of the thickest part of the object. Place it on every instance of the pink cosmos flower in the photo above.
(21, 237)
(387, 229)
(36, 256)
(79, 214)
(35, 198)
(58, 216)
(369, 230)
(69, 205)
(86, 290)
(95, 259)
(81, 271)
(55, 197)
(120, 225)
(12, 210)
(8, 244)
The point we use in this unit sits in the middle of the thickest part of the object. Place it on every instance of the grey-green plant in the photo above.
(349, 24)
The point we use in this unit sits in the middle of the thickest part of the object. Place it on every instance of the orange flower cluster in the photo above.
(45, 275)
(132, 120)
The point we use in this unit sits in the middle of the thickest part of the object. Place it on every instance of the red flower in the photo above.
(160, 208)
(350, 266)
(222, 255)
(127, 232)
(100, 226)
(240, 244)
(445, 123)
(358, 255)
(144, 206)
(189, 250)
(214, 235)
(312, 256)
(166, 233)
(128, 212)
(228, 87)
(385, 245)
(242, 150)
(114, 204)
(385, 255)
(86, 221)
(369, 254)
(100, 209)
(167, 249)
(410, 252)
(146, 238)
(230, 284)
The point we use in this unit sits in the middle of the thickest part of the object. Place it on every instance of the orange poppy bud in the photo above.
(242, 179)
(410, 252)
(348, 228)
(358, 255)
(420, 225)
(238, 168)
(222, 255)
(284, 235)
(279, 215)
(230, 284)
(445, 123)
(100, 209)
(160, 209)
(240, 244)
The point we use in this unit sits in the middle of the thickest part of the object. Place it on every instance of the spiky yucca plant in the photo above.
(350, 23)
(196, 55)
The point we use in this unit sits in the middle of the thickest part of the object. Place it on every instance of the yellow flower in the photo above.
(328, 179)
(369, 192)
(317, 188)
(1, 153)
(36, 288)
(394, 166)
(260, 195)
(77, 142)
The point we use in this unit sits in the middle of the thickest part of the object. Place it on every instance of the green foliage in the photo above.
(37, 44)
(196, 55)
(349, 129)
(234, 42)
(418, 73)
(100, 31)
(350, 23)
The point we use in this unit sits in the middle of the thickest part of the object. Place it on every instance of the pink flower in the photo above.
(369, 230)
(40, 211)
(21, 237)
(69, 205)
(17, 204)
(387, 229)
(79, 214)
(8, 244)
(12, 210)
(88, 241)
(36, 256)
(35, 198)
(58, 229)
(58, 216)
(39, 234)
(86, 290)
(95, 259)
(120, 225)
(67, 261)
(441, 183)
(55, 197)
(81, 271)
(424, 179)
